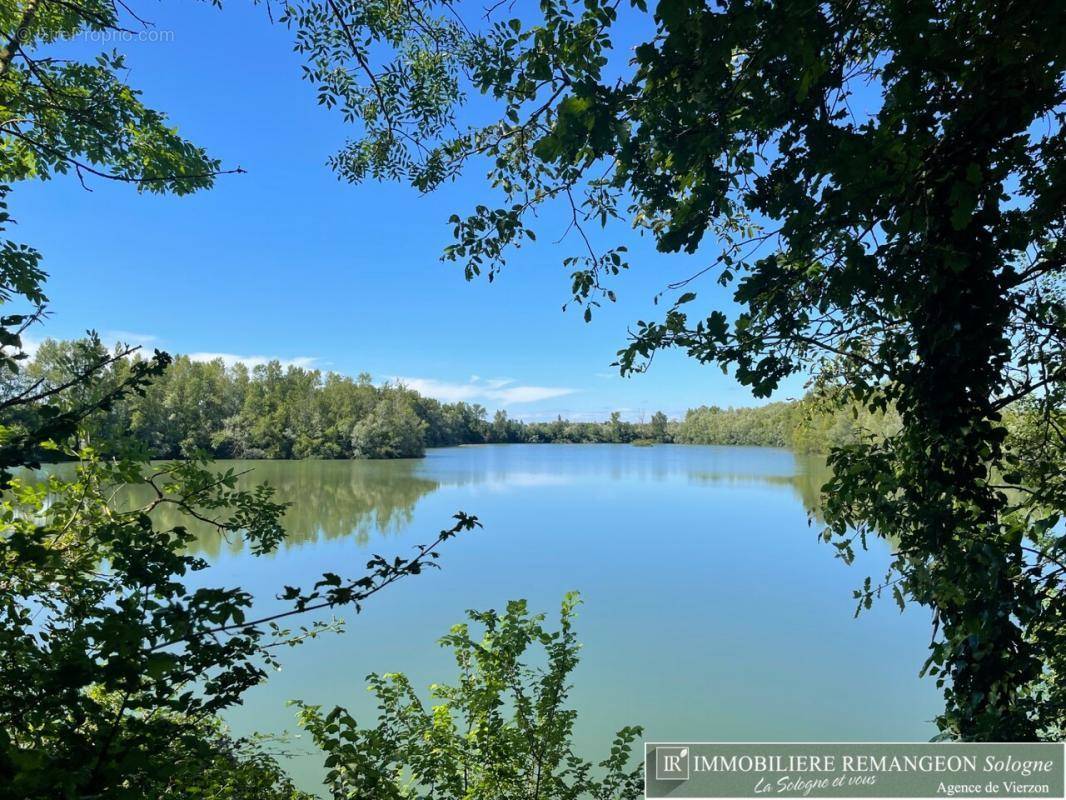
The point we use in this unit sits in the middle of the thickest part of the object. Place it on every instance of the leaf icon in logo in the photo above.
(684, 753)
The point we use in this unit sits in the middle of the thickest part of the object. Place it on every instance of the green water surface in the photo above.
(712, 611)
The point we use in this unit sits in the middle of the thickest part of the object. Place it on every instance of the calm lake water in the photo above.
(711, 610)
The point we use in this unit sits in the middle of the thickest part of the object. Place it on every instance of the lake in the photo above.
(711, 610)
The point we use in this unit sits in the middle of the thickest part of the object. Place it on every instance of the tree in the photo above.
(111, 679)
(64, 116)
(882, 185)
(391, 430)
(60, 116)
(503, 428)
(196, 407)
(616, 430)
(770, 425)
(503, 731)
(113, 667)
(657, 429)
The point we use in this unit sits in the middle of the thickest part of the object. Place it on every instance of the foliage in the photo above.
(502, 732)
(203, 760)
(819, 423)
(114, 666)
(116, 655)
(772, 425)
(220, 766)
(885, 185)
(288, 412)
(61, 115)
(659, 429)
(276, 412)
(107, 649)
(391, 430)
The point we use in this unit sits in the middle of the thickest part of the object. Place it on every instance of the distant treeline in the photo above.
(809, 425)
(279, 412)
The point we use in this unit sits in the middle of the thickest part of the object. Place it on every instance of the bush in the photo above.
(502, 732)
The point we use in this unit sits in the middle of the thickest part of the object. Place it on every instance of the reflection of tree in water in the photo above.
(812, 473)
(328, 500)
(333, 499)
(808, 478)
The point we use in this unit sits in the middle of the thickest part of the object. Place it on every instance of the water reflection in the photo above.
(355, 499)
(708, 548)
(358, 499)
(328, 500)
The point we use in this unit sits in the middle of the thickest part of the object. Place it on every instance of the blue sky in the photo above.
(288, 262)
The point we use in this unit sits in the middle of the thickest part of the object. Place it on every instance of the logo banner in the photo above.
(720, 769)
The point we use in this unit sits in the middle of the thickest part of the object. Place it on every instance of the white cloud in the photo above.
(505, 391)
(529, 394)
(110, 340)
(230, 359)
(30, 345)
(576, 415)
(129, 337)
